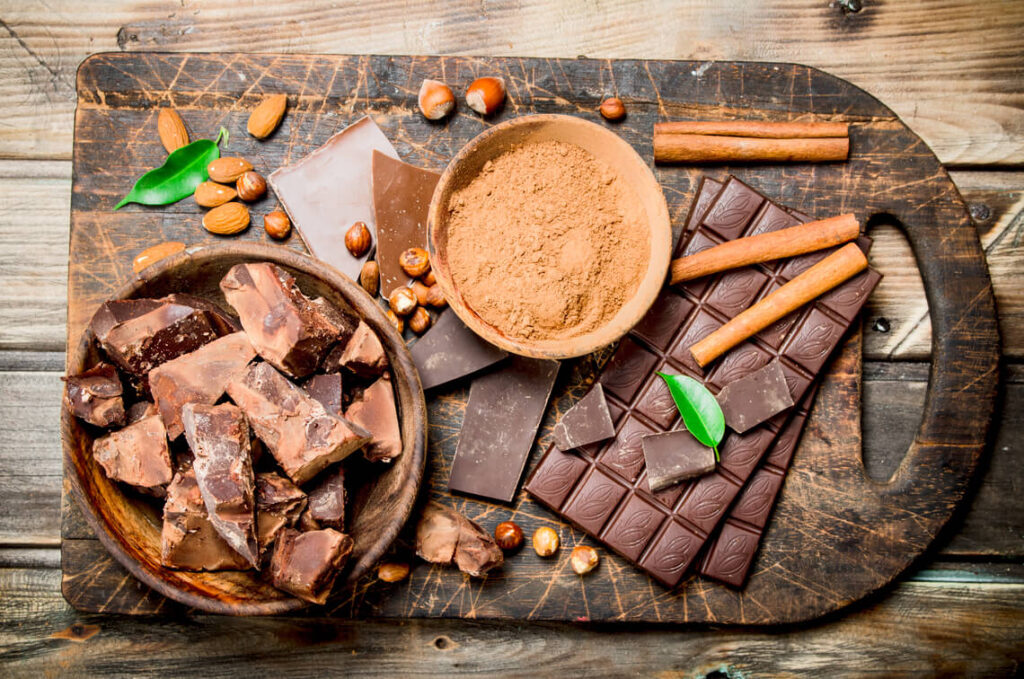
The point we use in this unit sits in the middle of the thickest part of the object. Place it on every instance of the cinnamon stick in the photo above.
(819, 279)
(754, 128)
(765, 247)
(700, 148)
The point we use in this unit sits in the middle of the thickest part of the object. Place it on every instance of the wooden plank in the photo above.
(977, 633)
(969, 109)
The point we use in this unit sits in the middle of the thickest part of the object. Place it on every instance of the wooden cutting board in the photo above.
(836, 535)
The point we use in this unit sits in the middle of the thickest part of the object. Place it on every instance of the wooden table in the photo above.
(952, 70)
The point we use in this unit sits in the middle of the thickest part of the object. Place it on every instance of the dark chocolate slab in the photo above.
(450, 350)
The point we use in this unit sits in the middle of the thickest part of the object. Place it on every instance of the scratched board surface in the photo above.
(835, 536)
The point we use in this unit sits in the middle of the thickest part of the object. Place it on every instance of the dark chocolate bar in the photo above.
(450, 350)
(604, 490)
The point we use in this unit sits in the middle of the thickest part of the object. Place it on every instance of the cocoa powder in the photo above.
(547, 242)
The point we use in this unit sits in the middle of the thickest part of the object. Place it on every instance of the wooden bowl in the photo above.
(130, 527)
(606, 146)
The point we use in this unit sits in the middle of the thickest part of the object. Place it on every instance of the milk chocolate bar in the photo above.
(326, 507)
(603, 489)
(137, 455)
(307, 564)
(219, 439)
(589, 421)
(279, 503)
(95, 396)
(450, 350)
(302, 436)
(188, 540)
(374, 410)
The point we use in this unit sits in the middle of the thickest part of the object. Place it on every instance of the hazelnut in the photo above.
(583, 559)
(277, 225)
(392, 572)
(612, 108)
(420, 291)
(486, 95)
(369, 277)
(508, 535)
(251, 186)
(402, 301)
(415, 262)
(395, 321)
(545, 541)
(420, 321)
(429, 278)
(435, 297)
(358, 239)
(436, 99)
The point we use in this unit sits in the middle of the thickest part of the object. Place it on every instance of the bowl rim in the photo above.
(401, 364)
(616, 328)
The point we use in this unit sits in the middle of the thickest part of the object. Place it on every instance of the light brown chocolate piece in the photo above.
(375, 411)
(219, 439)
(279, 503)
(189, 541)
(302, 436)
(197, 377)
(326, 508)
(363, 354)
(137, 455)
(285, 327)
(444, 536)
(95, 396)
(307, 564)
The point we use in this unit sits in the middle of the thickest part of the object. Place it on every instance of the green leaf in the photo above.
(178, 177)
(700, 410)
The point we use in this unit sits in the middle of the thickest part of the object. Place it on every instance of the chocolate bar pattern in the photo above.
(604, 489)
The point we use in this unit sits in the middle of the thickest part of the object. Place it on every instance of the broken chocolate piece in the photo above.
(302, 436)
(450, 350)
(197, 377)
(284, 326)
(374, 410)
(675, 456)
(141, 410)
(755, 398)
(327, 390)
(327, 191)
(401, 200)
(189, 541)
(307, 564)
(363, 354)
(443, 536)
(279, 503)
(137, 455)
(223, 322)
(503, 413)
(95, 396)
(219, 439)
(589, 421)
(326, 507)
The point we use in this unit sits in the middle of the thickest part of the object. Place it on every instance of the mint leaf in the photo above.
(178, 177)
(701, 413)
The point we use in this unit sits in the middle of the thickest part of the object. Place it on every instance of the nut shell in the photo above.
(227, 170)
(403, 301)
(358, 239)
(508, 535)
(415, 262)
(395, 321)
(419, 320)
(171, 129)
(212, 194)
(429, 279)
(227, 219)
(612, 108)
(435, 297)
(369, 277)
(277, 225)
(251, 186)
(265, 118)
(486, 95)
(583, 559)
(420, 291)
(545, 541)
(155, 253)
(435, 99)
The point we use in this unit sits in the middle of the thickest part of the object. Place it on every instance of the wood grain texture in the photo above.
(951, 69)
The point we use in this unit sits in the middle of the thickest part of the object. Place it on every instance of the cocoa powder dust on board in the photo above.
(547, 242)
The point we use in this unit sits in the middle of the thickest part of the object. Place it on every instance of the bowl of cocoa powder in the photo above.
(549, 236)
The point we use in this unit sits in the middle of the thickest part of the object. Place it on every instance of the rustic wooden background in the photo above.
(952, 70)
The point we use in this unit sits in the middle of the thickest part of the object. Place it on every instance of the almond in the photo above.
(155, 253)
(171, 128)
(265, 118)
(227, 170)
(226, 219)
(212, 194)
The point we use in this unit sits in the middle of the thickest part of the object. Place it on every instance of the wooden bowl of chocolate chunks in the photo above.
(244, 429)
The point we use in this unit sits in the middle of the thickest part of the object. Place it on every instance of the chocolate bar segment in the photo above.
(302, 436)
(137, 455)
(589, 421)
(605, 491)
(95, 396)
(285, 327)
(375, 411)
(673, 457)
(307, 564)
(450, 350)
(751, 400)
(188, 540)
(279, 503)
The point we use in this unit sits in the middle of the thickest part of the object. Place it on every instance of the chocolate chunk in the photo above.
(756, 398)
(326, 507)
(141, 410)
(140, 334)
(95, 396)
(450, 350)
(443, 536)
(302, 436)
(189, 541)
(589, 421)
(197, 377)
(307, 564)
(284, 326)
(219, 439)
(401, 199)
(363, 354)
(330, 189)
(327, 390)
(137, 455)
(503, 413)
(673, 457)
(279, 503)
(223, 322)
(374, 410)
